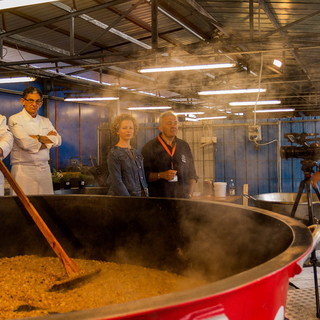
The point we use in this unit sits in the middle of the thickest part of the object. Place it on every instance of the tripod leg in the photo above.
(298, 197)
(313, 261)
(313, 258)
(316, 190)
(309, 198)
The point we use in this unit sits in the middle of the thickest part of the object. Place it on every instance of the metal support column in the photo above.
(154, 16)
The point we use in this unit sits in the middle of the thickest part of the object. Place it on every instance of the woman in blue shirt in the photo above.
(125, 164)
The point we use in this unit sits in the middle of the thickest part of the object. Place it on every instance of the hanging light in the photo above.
(92, 99)
(253, 103)
(150, 108)
(187, 113)
(277, 63)
(16, 79)
(190, 119)
(212, 118)
(274, 110)
(6, 4)
(186, 68)
(236, 91)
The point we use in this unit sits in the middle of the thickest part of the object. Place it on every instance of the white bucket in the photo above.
(220, 189)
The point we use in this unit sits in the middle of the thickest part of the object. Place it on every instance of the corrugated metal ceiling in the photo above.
(113, 39)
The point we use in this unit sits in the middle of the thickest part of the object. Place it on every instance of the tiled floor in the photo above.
(301, 303)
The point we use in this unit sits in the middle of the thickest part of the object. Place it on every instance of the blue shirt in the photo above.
(126, 173)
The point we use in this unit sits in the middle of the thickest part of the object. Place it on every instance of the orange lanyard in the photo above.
(171, 154)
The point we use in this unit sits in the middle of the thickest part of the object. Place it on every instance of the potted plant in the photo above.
(67, 180)
(82, 180)
(57, 177)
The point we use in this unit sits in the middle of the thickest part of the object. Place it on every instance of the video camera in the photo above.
(309, 148)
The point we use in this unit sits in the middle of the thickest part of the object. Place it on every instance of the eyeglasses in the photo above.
(33, 101)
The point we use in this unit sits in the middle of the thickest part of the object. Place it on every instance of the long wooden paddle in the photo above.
(69, 265)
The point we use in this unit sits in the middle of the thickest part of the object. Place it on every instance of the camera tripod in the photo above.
(305, 184)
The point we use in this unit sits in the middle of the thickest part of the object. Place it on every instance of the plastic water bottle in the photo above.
(232, 188)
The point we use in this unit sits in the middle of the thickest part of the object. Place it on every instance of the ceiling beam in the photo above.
(60, 18)
(113, 24)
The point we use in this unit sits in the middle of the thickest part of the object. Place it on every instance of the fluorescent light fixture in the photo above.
(92, 99)
(91, 80)
(187, 100)
(6, 4)
(236, 91)
(187, 113)
(212, 118)
(190, 119)
(150, 108)
(274, 110)
(17, 79)
(238, 113)
(253, 103)
(185, 68)
(277, 63)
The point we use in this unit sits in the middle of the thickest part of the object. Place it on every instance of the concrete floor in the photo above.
(301, 303)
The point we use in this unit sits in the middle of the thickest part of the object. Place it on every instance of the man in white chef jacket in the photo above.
(6, 142)
(34, 136)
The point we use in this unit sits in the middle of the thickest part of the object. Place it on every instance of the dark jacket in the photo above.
(156, 159)
(126, 173)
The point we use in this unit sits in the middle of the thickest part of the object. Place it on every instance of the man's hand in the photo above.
(52, 133)
(168, 175)
(44, 139)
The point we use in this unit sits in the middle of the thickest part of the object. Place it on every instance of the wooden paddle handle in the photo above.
(69, 265)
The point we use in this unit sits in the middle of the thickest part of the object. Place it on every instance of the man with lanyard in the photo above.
(168, 162)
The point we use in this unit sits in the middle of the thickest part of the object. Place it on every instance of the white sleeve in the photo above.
(56, 140)
(23, 140)
(6, 137)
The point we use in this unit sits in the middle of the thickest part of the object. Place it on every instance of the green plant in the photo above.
(83, 177)
(57, 176)
(67, 177)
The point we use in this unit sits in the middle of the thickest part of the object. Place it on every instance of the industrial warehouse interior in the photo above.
(241, 76)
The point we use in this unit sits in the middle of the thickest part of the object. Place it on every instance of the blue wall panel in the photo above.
(270, 134)
(237, 157)
(69, 129)
(240, 159)
(78, 127)
(90, 119)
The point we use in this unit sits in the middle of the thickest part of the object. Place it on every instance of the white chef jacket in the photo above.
(6, 141)
(30, 165)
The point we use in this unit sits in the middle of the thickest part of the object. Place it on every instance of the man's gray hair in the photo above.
(166, 114)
